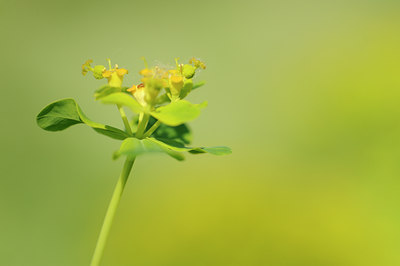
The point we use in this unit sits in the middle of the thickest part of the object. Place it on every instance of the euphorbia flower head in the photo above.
(114, 75)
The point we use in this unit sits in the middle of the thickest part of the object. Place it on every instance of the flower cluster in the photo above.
(177, 83)
(157, 102)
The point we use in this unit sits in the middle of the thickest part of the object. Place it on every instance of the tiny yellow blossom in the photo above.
(197, 63)
(115, 76)
(139, 93)
(86, 67)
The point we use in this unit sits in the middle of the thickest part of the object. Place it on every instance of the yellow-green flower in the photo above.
(139, 93)
(86, 67)
(176, 84)
(115, 76)
(97, 70)
(197, 63)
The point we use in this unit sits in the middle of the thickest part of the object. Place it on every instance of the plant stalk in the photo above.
(152, 129)
(112, 207)
(125, 120)
(143, 120)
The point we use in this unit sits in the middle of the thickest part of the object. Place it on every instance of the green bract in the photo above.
(177, 113)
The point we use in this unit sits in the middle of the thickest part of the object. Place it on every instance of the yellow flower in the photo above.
(115, 76)
(197, 63)
(86, 67)
(139, 93)
(146, 72)
(176, 84)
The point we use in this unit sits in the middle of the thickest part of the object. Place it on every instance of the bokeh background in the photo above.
(305, 92)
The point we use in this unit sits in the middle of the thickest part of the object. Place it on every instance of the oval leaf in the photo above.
(64, 113)
(176, 146)
(198, 85)
(133, 147)
(179, 112)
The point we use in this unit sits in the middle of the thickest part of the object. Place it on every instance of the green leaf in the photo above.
(217, 150)
(176, 146)
(133, 147)
(123, 99)
(198, 85)
(64, 113)
(178, 112)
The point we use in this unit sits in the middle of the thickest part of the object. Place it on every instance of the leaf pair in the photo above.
(64, 113)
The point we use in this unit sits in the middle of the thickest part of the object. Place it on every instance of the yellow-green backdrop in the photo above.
(305, 92)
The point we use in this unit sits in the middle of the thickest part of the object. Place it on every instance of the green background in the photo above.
(306, 93)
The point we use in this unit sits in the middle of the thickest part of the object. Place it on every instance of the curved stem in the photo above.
(125, 120)
(112, 207)
(152, 129)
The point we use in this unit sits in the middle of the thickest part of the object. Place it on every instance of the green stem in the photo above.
(112, 207)
(152, 129)
(143, 120)
(125, 120)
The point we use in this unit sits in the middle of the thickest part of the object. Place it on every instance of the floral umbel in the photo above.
(158, 125)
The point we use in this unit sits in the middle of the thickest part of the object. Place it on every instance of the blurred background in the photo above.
(306, 93)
